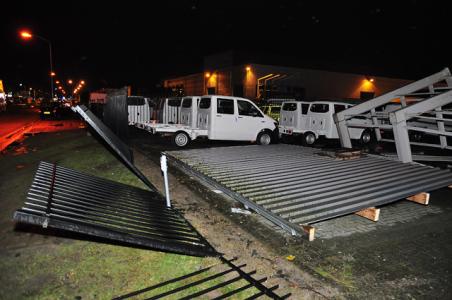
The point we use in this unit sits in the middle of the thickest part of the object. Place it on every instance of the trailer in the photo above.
(217, 117)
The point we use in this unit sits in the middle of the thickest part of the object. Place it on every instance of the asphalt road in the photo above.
(16, 117)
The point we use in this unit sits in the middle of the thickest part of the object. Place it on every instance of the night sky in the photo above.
(129, 42)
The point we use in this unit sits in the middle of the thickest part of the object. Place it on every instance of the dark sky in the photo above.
(130, 42)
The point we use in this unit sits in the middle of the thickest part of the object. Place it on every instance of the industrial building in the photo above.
(233, 74)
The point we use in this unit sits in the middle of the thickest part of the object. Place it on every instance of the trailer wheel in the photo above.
(309, 138)
(264, 138)
(366, 137)
(181, 139)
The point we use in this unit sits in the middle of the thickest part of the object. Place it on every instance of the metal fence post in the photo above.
(164, 167)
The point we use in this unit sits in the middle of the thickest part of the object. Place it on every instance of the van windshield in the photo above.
(289, 106)
(246, 108)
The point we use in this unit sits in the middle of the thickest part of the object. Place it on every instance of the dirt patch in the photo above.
(210, 213)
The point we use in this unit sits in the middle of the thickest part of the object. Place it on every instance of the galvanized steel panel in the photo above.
(292, 185)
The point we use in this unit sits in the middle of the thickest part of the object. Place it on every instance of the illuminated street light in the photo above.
(57, 82)
(82, 82)
(27, 35)
(69, 81)
(248, 68)
(207, 74)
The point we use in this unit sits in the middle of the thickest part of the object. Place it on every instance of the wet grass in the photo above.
(39, 266)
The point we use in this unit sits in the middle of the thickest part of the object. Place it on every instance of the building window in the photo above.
(238, 90)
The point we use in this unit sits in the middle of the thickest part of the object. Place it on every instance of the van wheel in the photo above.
(309, 138)
(264, 138)
(366, 137)
(181, 139)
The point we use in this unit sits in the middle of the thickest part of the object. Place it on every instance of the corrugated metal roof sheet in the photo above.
(294, 185)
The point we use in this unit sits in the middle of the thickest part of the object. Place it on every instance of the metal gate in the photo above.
(70, 200)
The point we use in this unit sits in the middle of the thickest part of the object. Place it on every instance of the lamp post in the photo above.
(26, 35)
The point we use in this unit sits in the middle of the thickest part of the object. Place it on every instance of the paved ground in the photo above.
(16, 117)
(406, 255)
(19, 121)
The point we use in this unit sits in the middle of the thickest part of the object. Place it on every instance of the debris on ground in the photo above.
(240, 211)
(290, 257)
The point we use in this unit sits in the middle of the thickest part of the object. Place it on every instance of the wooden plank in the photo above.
(421, 198)
(310, 231)
(370, 213)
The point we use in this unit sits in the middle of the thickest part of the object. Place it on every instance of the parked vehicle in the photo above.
(138, 109)
(272, 110)
(427, 121)
(217, 118)
(2, 104)
(51, 110)
(312, 120)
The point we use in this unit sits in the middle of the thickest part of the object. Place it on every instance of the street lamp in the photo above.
(26, 35)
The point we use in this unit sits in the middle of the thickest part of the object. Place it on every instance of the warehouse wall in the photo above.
(324, 84)
(314, 84)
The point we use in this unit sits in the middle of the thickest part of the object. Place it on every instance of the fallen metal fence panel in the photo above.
(70, 200)
(121, 149)
(292, 185)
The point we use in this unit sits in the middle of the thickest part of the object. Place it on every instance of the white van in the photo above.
(219, 118)
(139, 109)
(313, 120)
(426, 121)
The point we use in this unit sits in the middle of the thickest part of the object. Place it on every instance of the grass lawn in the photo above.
(37, 265)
